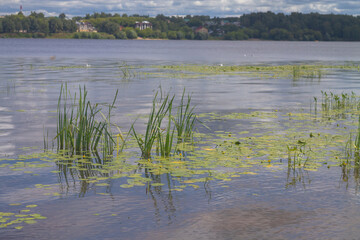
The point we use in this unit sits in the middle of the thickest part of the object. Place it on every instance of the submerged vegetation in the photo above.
(280, 71)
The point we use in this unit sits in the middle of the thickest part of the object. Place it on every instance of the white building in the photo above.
(143, 25)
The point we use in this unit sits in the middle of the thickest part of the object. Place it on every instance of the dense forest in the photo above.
(262, 25)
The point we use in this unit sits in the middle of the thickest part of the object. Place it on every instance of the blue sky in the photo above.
(179, 7)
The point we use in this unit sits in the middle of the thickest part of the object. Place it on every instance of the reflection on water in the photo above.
(6, 126)
(296, 177)
(236, 182)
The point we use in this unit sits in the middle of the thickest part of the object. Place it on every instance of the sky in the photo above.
(219, 8)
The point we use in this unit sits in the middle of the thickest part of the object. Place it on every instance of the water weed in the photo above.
(294, 72)
(78, 127)
(154, 128)
(163, 127)
(185, 118)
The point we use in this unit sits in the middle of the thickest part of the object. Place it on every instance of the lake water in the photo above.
(276, 203)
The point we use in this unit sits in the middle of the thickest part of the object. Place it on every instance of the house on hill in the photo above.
(143, 25)
(201, 30)
(85, 27)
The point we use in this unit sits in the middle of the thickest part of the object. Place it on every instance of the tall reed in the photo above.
(78, 129)
(153, 129)
(357, 139)
(185, 119)
(163, 128)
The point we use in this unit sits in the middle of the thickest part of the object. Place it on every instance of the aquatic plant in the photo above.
(298, 154)
(154, 129)
(357, 139)
(352, 148)
(335, 106)
(185, 119)
(126, 71)
(288, 71)
(165, 136)
(78, 129)
(163, 133)
(332, 101)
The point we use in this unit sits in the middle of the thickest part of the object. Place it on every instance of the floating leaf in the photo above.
(31, 206)
(30, 221)
(157, 184)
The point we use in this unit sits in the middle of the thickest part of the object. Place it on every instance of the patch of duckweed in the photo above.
(14, 204)
(279, 71)
(11, 219)
(31, 206)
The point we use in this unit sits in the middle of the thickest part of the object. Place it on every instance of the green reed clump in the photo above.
(163, 127)
(357, 139)
(166, 135)
(352, 148)
(343, 101)
(185, 119)
(153, 129)
(78, 129)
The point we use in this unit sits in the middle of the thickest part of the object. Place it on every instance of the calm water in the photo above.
(251, 207)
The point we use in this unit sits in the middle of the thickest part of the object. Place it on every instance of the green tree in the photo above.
(109, 27)
(195, 22)
(34, 24)
(163, 35)
(190, 35)
(172, 35)
(26, 24)
(55, 25)
(180, 35)
(131, 34)
(43, 26)
(18, 25)
(8, 25)
(280, 34)
(146, 33)
(120, 35)
(69, 26)
(201, 36)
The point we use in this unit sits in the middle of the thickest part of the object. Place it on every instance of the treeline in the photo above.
(36, 24)
(263, 25)
(302, 27)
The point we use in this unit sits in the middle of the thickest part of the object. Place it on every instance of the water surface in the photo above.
(318, 205)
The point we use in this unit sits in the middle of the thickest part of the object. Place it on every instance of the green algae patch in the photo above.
(11, 219)
(280, 71)
(14, 204)
(31, 206)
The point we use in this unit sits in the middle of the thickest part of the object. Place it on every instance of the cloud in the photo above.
(180, 7)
